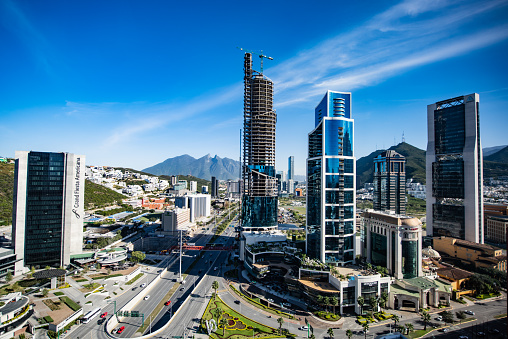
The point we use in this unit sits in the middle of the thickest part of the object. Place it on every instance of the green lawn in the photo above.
(238, 327)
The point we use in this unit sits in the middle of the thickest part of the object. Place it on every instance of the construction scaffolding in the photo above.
(259, 198)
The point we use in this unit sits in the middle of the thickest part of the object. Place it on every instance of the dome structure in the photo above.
(431, 253)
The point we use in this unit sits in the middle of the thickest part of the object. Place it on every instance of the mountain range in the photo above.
(495, 164)
(205, 167)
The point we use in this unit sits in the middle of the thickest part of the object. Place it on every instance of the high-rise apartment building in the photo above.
(390, 182)
(291, 168)
(455, 169)
(331, 171)
(259, 198)
(48, 208)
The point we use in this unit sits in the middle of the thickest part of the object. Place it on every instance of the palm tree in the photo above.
(395, 319)
(361, 302)
(319, 299)
(373, 302)
(365, 326)
(349, 334)
(223, 322)
(426, 319)
(409, 327)
(218, 312)
(330, 332)
(383, 299)
(215, 286)
(280, 321)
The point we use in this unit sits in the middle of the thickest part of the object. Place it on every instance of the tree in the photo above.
(330, 332)
(45, 292)
(326, 301)
(215, 286)
(8, 277)
(365, 326)
(383, 299)
(334, 302)
(447, 316)
(426, 319)
(280, 321)
(461, 315)
(349, 334)
(395, 319)
(361, 302)
(373, 302)
(409, 327)
(320, 299)
(223, 322)
(137, 256)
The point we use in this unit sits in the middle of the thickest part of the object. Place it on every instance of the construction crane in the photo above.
(261, 56)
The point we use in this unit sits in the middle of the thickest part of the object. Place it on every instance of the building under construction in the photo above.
(259, 199)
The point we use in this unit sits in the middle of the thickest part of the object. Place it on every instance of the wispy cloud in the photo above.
(15, 20)
(410, 34)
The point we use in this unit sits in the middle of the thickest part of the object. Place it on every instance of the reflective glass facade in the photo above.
(410, 259)
(455, 169)
(44, 208)
(379, 254)
(330, 180)
(390, 182)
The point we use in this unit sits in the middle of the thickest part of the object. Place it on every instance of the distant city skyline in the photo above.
(132, 84)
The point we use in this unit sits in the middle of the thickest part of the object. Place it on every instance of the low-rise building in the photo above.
(495, 222)
(480, 255)
(173, 219)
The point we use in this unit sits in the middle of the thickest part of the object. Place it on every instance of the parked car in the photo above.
(494, 330)
(480, 334)
(440, 318)
(469, 312)
(147, 297)
(120, 330)
(444, 330)
(270, 300)
(463, 337)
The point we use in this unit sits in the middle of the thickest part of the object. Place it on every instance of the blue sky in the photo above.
(131, 83)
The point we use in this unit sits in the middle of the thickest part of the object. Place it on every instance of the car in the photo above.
(270, 300)
(134, 288)
(463, 337)
(167, 303)
(215, 268)
(237, 302)
(120, 330)
(103, 315)
(143, 285)
(469, 312)
(480, 334)
(147, 297)
(101, 321)
(440, 318)
(444, 330)
(303, 328)
(494, 330)
(182, 288)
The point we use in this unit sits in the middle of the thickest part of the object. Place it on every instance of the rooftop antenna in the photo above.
(403, 138)
(261, 56)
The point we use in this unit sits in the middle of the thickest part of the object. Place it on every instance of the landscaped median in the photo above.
(259, 305)
(224, 322)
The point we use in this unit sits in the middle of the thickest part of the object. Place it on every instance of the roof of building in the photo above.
(83, 255)
(474, 245)
(400, 290)
(453, 274)
(425, 283)
(51, 273)
(320, 286)
(430, 252)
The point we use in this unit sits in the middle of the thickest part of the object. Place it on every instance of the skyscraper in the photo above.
(291, 168)
(331, 170)
(48, 208)
(215, 188)
(390, 182)
(455, 169)
(259, 198)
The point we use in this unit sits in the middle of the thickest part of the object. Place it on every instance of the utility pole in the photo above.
(180, 273)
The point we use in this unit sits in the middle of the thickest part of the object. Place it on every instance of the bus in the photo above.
(90, 315)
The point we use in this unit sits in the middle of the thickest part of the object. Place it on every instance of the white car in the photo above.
(147, 297)
(143, 285)
(303, 328)
(469, 312)
(440, 318)
(270, 300)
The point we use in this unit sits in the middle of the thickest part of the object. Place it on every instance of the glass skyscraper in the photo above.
(455, 169)
(390, 182)
(331, 171)
(291, 168)
(48, 208)
(259, 198)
